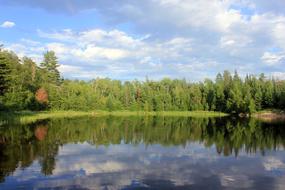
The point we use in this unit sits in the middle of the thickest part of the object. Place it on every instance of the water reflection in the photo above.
(143, 153)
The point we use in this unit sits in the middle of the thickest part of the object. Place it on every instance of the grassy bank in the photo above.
(164, 113)
(28, 116)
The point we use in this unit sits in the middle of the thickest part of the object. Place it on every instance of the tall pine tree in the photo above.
(4, 72)
(50, 65)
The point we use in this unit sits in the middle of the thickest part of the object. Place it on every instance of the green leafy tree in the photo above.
(21, 81)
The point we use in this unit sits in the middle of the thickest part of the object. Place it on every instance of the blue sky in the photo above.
(192, 39)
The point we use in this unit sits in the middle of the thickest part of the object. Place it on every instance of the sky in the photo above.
(129, 39)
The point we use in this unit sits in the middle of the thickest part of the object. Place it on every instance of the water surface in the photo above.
(143, 153)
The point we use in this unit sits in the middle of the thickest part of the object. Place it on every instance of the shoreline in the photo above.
(269, 116)
(31, 116)
(25, 117)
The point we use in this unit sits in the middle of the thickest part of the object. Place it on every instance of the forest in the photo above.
(26, 85)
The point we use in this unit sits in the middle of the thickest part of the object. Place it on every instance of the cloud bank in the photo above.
(166, 38)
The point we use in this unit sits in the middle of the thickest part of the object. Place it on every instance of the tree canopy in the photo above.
(26, 85)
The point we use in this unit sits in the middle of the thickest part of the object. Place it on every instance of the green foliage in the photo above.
(20, 80)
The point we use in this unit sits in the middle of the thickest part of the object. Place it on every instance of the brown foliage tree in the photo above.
(41, 132)
(42, 96)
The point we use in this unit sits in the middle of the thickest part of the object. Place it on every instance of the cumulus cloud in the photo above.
(173, 38)
(26, 47)
(7, 24)
(273, 58)
(98, 52)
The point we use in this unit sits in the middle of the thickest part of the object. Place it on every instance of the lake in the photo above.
(143, 153)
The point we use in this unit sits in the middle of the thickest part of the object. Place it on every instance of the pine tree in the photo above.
(248, 103)
(235, 96)
(251, 106)
(219, 93)
(50, 65)
(268, 94)
(4, 72)
(258, 98)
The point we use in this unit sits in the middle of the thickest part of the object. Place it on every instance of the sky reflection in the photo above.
(150, 163)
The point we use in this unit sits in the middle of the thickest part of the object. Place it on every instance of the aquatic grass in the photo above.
(25, 117)
(35, 116)
(164, 113)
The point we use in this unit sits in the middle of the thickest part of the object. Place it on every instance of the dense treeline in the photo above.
(24, 85)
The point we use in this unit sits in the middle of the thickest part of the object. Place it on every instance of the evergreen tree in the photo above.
(22, 83)
(50, 66)
(4, 73)
(268, 90)
(220, 93)
(258, 98)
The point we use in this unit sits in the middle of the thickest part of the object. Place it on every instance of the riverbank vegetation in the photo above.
(25, 117)
(26, 85)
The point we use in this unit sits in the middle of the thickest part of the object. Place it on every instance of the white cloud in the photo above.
(238, 180)
(272, 163)
(69, 69)
(7, 24)
(26, 47)
(195, 36)
(79, 72)
(89, 166)
(278, 75)
(74, 71)
(234, 41)
(200, 14)
(64, 35)
(112, 53)
(59, 48)
(272, 59)
(93, 52)
(279, 33)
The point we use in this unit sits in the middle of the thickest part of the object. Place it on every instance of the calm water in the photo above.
(143, 153)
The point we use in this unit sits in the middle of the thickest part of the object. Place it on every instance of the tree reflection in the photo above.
(21, 145)
(41, 132)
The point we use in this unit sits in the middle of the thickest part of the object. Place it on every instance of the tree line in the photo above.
(26, 85)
